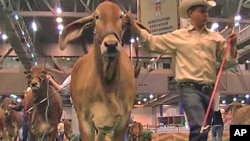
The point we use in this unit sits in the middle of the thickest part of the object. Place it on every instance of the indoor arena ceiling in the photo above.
(21, 13)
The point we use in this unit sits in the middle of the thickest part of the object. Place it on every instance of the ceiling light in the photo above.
(237, 24)
(237, 18)
(132, 40)
(242, 101)
(28, 45)
(223, 101)
(59, 20)
(23, 33)
(34, 26)
(16, 17)
(214, 26)
(151, 96)
(58, 10)
(19, 100)
(234, 99)
(137, 38)
(4, 37)
(152, 59)
(60, 27)
(13, 96)
(247, 96)
(32, 55)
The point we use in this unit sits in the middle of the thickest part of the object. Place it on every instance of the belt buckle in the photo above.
(185, 84)
(206, 87)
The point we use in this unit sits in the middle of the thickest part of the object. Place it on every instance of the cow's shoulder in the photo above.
(81, 63)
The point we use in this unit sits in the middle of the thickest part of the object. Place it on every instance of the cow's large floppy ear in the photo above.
(74, 31)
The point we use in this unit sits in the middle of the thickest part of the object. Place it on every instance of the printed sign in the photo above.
(159, 16)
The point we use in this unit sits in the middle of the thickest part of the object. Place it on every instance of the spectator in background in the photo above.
(60, 129)
(127, 135)
(217, 125)
(217, 121)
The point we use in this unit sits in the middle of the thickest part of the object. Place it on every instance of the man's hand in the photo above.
(130, 20)
(12, 106)
(49, 77)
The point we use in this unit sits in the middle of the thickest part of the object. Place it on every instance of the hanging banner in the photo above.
(159, 16)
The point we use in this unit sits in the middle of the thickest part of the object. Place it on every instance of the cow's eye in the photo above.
(121, 16)
(96, 17)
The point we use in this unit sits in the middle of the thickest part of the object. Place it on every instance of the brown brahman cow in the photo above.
(10, 121)
(103, 84)
(136, 131)
(43, 105)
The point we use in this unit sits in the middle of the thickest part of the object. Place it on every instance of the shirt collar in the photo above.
(191, 28)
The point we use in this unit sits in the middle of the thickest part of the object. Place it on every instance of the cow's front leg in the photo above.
(120, 131)
(101, 136)
(85, 124)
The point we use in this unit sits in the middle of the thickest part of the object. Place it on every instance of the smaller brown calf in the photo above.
(240, 113)
(10, 121)
(136, 131)
(68, 132)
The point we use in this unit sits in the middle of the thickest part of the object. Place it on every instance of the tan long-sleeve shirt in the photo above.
(196, 53)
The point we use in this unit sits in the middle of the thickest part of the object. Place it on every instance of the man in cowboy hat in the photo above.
(196, 51)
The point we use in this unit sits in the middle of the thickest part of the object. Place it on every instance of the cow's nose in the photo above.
(6, 112)
(111, 45)
(33, 84)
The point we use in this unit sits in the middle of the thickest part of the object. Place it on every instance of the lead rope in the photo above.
(43, 100)
(150, 69)
(204, 124)
(46, 110)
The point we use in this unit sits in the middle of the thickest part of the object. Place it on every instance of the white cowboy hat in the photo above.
(186, 4)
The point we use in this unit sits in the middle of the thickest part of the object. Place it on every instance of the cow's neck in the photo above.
(106, 68)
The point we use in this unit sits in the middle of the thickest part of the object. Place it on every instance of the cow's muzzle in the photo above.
(34, 85)
(6, 112)
(111, 46)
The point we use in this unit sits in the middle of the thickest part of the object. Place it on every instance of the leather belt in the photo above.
(198, 86)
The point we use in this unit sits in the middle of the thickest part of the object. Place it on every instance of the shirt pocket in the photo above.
(210, 43)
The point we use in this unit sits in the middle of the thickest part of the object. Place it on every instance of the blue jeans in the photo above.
(195, 102)
(126, 136)
(217, 132)
(25, 128)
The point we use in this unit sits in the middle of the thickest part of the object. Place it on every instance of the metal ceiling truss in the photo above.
(57, 64)
(8, 51)
(20, 40)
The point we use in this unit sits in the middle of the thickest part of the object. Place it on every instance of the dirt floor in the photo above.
(183, 136)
